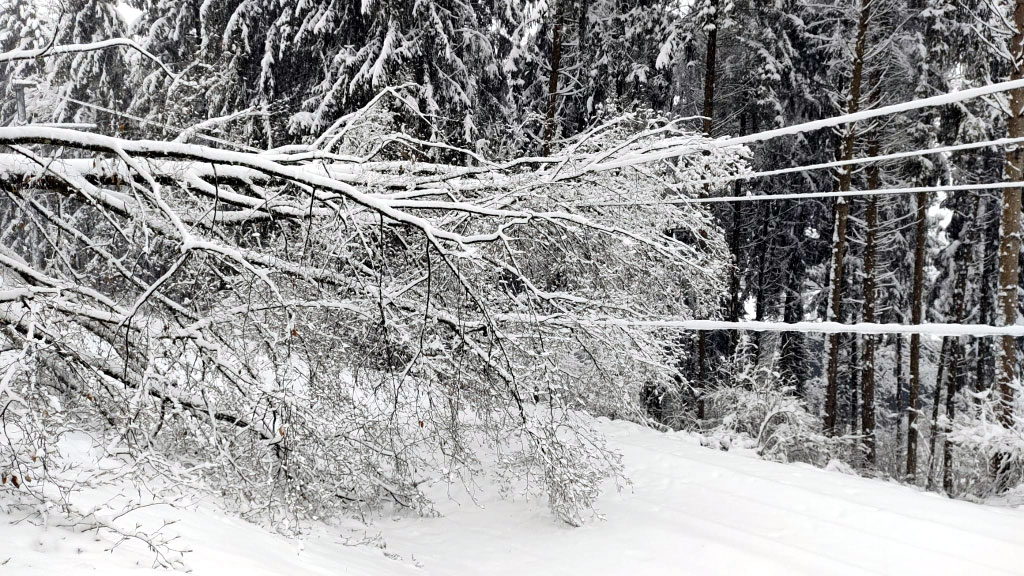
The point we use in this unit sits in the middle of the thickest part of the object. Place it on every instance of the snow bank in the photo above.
(690, 510)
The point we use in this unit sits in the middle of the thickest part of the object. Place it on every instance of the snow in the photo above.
(127, 13)
(220, 544)
(689, 510)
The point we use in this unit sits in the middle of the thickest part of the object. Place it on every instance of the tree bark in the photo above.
(842, 211)
(701, 362)
(734, 242)
(556, 62)
(709, 67)
(983, 367)
(709, 102)
(954, 375)
(1009, 239)
(916, 309)
(953, 384)
(792, 366)
(900, 406)
(582, 25)
(867, 412)
(936, 402)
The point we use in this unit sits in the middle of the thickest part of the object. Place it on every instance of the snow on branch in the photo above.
(60, 49)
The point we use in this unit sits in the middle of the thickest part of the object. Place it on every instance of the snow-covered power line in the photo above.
(800, 196)
(866, 160)
(53, 50)
(818, 327)
(113, 112)
(674, 147)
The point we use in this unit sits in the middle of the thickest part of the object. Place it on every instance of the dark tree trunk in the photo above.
(734, 243)
(582, 25)
(709, 69)
(954, 376)
(556, 62)
(936, 402)
(983, 368)
(701, 375)
(853, 384)
(953, 384)
(760, 297)
(867, 412)
(920, 237)
(1009, 240)
(794, 368)
(709, 100)
(901, 407)
(842, 211)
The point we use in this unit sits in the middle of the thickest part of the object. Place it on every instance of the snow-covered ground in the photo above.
(690, 510)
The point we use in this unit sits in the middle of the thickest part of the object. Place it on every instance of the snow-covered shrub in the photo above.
(767, 417)
(989, 457)
(760, 410)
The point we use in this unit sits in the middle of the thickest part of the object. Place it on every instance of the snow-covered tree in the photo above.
(20, 27)
(96, 77)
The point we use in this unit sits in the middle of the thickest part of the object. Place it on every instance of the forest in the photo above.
(314, 256)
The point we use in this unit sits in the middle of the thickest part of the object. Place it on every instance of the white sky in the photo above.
(128, 13)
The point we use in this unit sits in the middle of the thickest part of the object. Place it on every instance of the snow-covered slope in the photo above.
(690, 510)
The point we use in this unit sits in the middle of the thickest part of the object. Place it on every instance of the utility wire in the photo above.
(865, 160)
(162, 125)
(762, 197)
(675, 147)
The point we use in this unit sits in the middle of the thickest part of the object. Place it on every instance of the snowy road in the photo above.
(691, 510)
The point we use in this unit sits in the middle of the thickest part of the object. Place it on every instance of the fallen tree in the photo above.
(330, 325)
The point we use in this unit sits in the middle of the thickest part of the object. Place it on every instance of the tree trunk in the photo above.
(792, 365)
(1009, 238)
(853, 384)
(842, 211)
(920, 237)
(953, 379)
(901, 407)
(582, 25)
(983, 367)
(867, 411)
(709, 68)
(954, 376)
(760, 298)
(734, 242)
(936, 402)
(734, 285)
(700, 384)
(709, 99)
(556, 62)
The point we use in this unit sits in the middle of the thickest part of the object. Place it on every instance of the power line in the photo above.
(675, 147)
(865, 160)
(162, 125)
(978, 330)
(762, 197)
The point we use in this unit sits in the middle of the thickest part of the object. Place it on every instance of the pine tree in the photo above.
(868, 315)
(171, 30)
(554, 72)
(1009, 236)
(841, 214)
(97, 78)
(20, 27)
